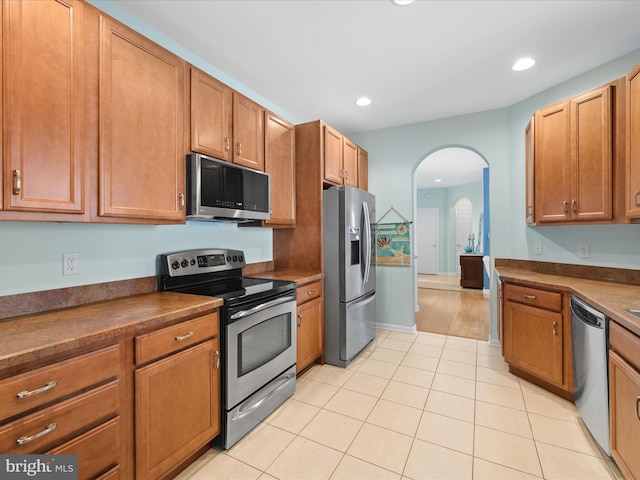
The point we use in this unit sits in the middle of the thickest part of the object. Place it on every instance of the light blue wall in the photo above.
(444, 200)
(498, 136)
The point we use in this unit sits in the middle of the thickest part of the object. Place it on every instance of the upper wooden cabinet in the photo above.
(340, 158)
(141, 159)
(226, 124)
(279, 146)
(211, 116)
(43, 120)
(363, 169)
(632, 196)
(530, 171)
(573, 158)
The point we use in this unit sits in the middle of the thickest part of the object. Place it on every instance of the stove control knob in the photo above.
(235, 258)
(192, 262)
(175, 265)
(241, 258)
(184, 263)
(228, 258)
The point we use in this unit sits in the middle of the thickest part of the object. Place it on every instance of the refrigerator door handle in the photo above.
(368, 298)
(367, 244)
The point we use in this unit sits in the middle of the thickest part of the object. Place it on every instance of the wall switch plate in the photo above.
(70, 263)
(537, 248)
(583, 251)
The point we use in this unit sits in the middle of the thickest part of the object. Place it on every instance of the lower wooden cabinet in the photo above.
(177, 406)
(471, 271)
(537, 337)
(624, 400)
(310, 331)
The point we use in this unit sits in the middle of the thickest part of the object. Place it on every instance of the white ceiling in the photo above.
(432, 59)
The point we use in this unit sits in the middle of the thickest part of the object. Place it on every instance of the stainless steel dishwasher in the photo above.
(590, 341)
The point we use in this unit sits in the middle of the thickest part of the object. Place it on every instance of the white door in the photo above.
(427, 240)
(464, 226)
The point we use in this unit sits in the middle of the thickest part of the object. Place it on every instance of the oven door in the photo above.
(261, 344)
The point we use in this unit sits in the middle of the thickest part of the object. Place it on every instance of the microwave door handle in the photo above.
(262, 306)
(367, 243)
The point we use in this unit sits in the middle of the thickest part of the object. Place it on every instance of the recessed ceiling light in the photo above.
(363, 101)
(438, 180)
(402, 3)
(523, 64)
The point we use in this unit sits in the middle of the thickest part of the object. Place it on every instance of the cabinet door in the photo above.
(363, 169)
(332, 156)
(624, 398)
(211, 116)
(591, 153)
(310, 334)
(553, 163)
(141, 151)
(43, 106)
(529, 136)
(633, 144)
(177, 408)
(533, 341)
(248, 133)
(350, 163)
(279, 162)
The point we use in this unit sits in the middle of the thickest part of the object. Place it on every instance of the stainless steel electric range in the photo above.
(257, 333)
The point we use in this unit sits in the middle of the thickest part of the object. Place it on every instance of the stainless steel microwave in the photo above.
(223, 191)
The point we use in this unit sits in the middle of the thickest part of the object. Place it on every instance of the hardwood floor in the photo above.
(449, 309)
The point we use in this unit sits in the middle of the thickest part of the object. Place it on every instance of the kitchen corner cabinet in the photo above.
(279, 146)
(43, 120)
(537, 337)
(72, 406)
(363, 169)
(177, 395)
(632, 170)
(624, 399)
(310, 323)
(141, 158)
(573, 148)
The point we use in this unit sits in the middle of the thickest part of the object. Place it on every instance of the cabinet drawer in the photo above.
(308, 292)
(52, 424)
(625, 343)
(97, 450)
(533, 296)
(171, 339)
(37, 387)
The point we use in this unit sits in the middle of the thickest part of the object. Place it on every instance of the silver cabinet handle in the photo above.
(227, 144)
(17, 182)
(181, 202)
(28, 393)
(530, 297)
(49, 428)
(312, 292)
(185, 336)
(637, 403)
(239, 148)
(574, 206)
(565, 206)
(555, 328)
(216, 363)
(300, 323)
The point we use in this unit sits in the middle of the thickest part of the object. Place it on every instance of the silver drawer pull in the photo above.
(312, 292)
(185, 336)
(216, 363)
(637, 403)
(530, 297)
(555, 328)
(28, 393)
(636, 199)
(49, 428)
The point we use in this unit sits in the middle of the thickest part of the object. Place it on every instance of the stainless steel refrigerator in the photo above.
(350, 273)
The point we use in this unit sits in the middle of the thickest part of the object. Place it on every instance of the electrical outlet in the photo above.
(537, 248)
(70, 263)
(583, 251)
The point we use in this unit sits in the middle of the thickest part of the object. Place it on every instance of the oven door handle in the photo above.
(262, 306)
(251, 404)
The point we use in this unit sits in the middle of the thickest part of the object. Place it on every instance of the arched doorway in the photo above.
(452, 213)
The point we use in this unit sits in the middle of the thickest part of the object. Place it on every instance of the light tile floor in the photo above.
(415, 406)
